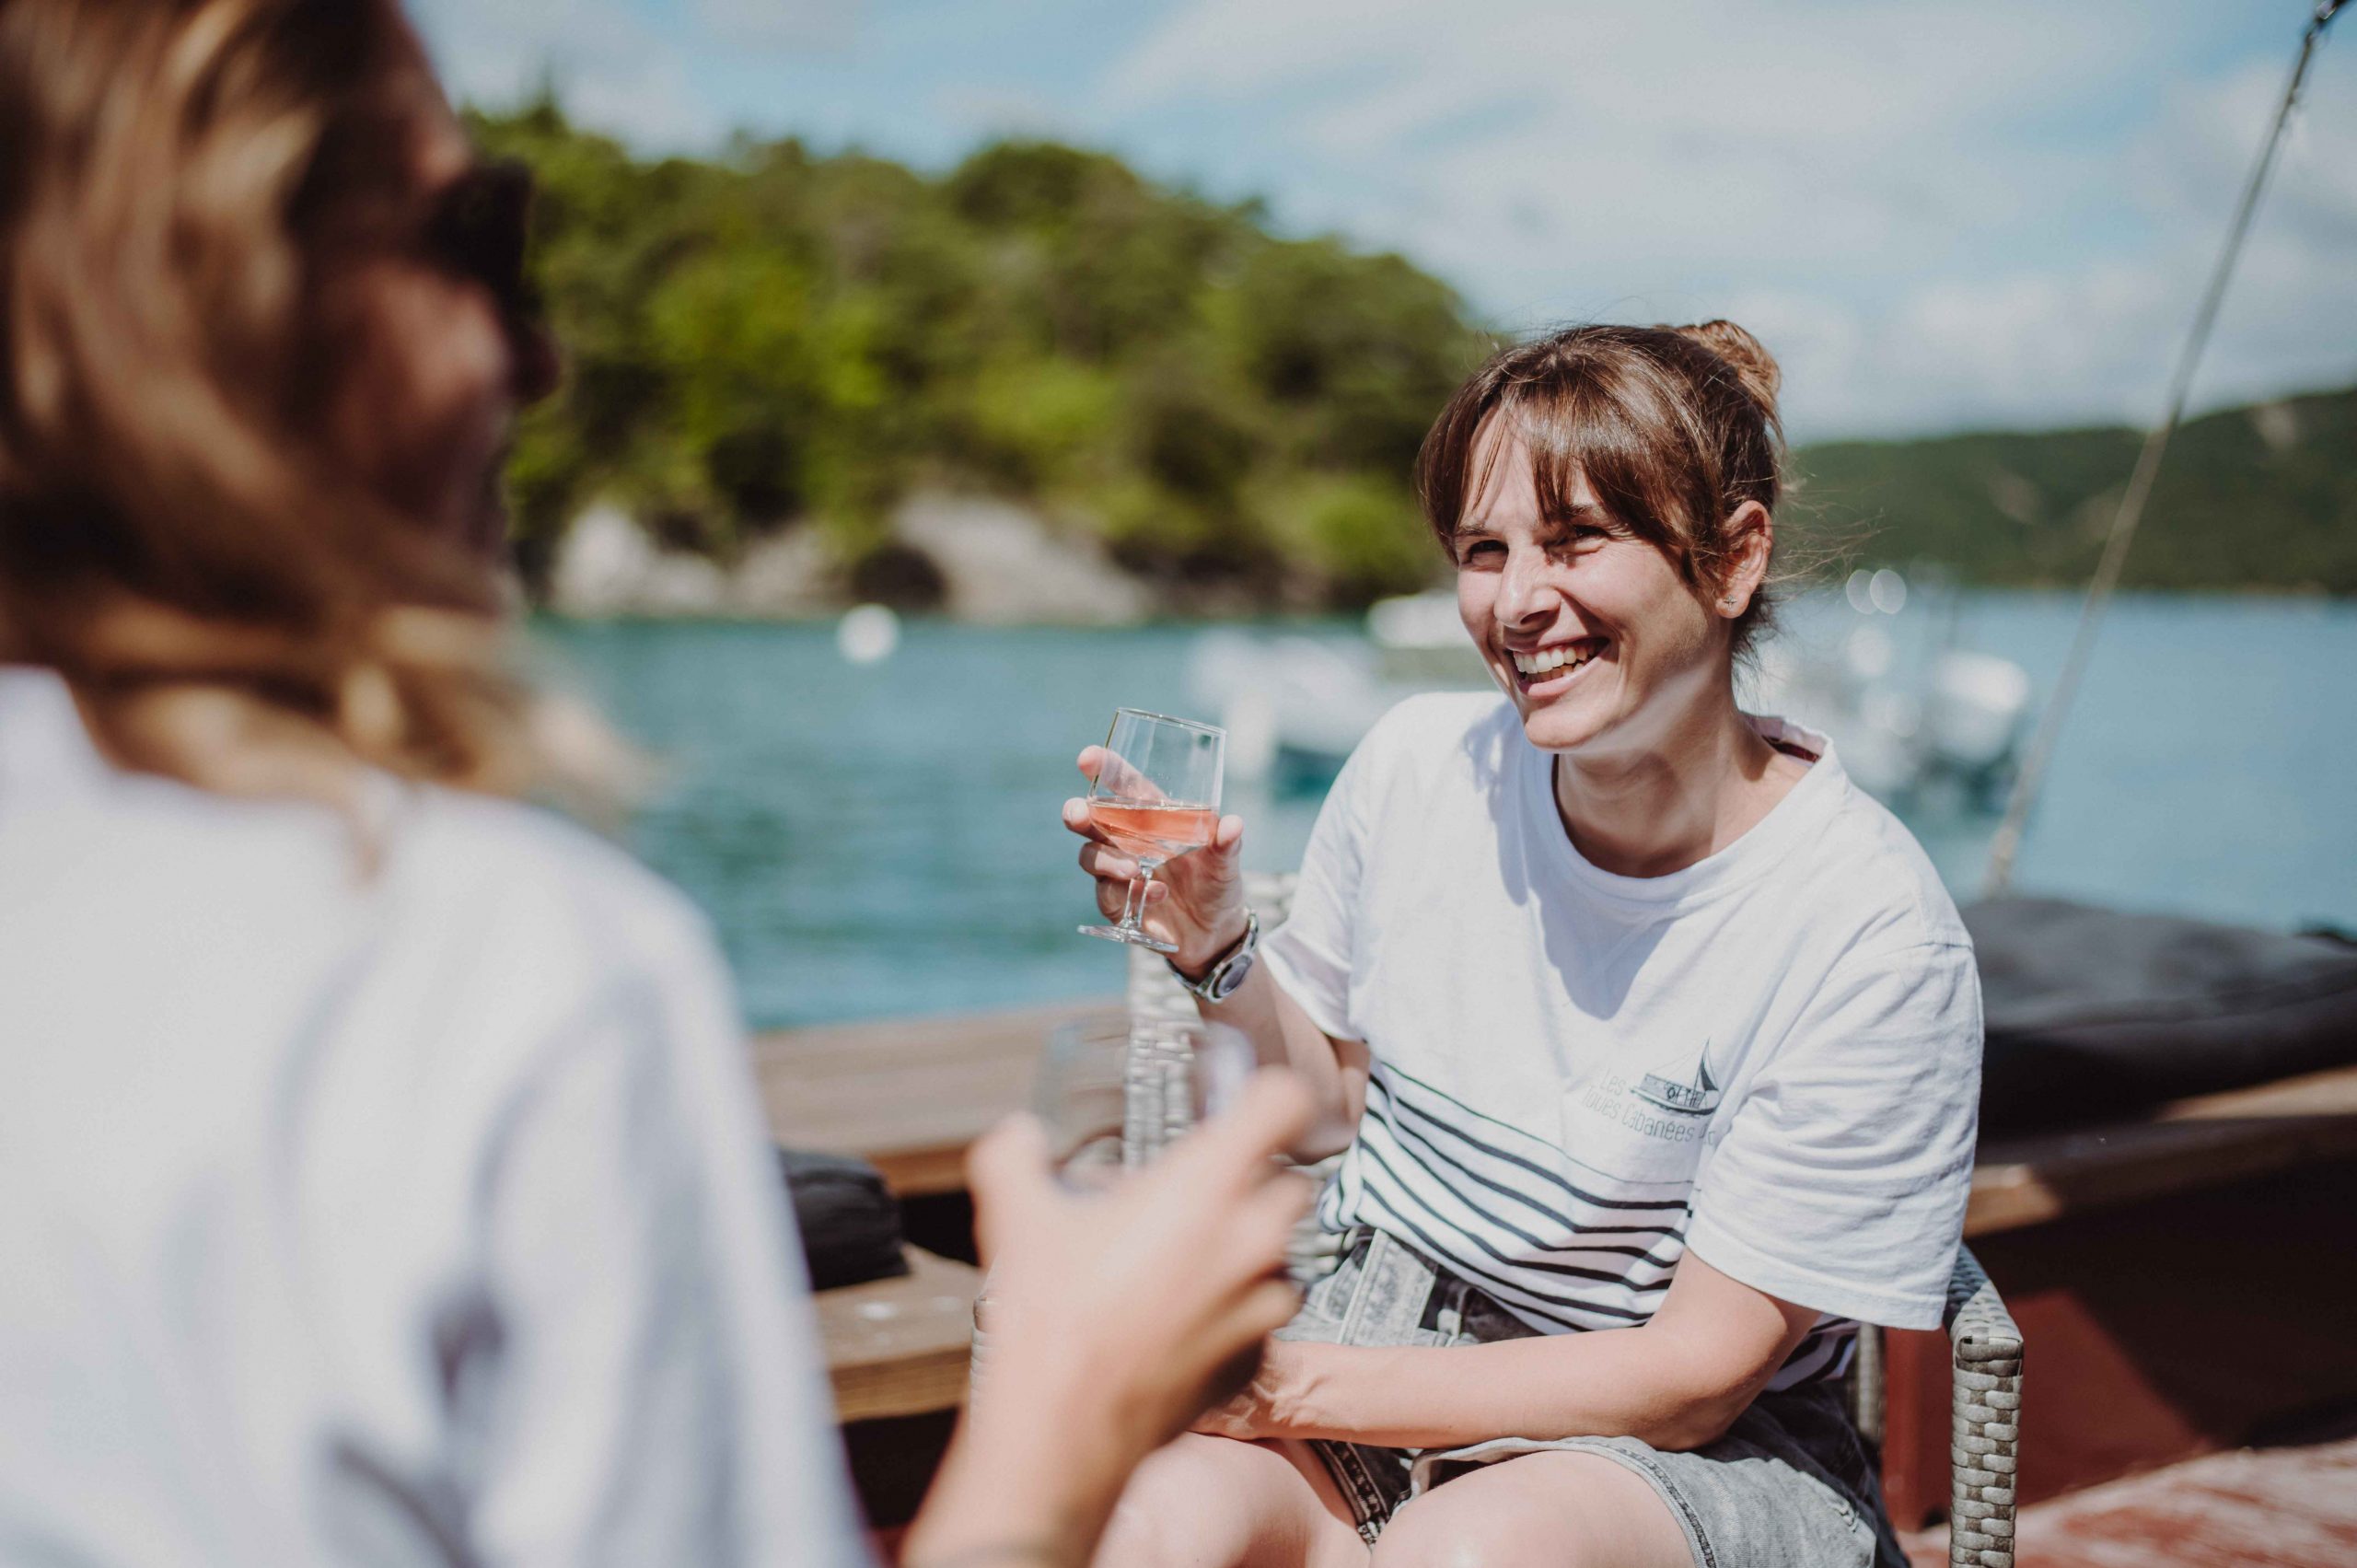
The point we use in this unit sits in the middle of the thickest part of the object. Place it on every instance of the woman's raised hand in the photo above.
(1148, 1300)
(1116, 1318)
(1195, 901)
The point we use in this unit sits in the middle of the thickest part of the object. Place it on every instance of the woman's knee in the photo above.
(1157, 1522)
(1441, 1529)
(1202, 1502)
(1552, 1510)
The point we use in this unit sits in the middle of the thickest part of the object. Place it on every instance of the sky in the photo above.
(1996, 214)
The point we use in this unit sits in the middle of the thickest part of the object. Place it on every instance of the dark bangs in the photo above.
(1669, 437)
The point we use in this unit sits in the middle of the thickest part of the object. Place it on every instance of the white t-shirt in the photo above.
(420, 1217)
(1771, 1057)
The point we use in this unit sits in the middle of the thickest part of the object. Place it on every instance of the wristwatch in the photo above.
(1228, 972)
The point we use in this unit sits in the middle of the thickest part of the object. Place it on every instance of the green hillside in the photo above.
(2259, 497)
(776, 340)
(782, 340)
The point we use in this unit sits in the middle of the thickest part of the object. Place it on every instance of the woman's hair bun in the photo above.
(1753, 364)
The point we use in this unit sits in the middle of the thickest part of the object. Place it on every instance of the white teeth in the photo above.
(1546, 659)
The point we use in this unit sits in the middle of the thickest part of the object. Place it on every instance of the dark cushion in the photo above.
(849, 1219)
(2094, 1015)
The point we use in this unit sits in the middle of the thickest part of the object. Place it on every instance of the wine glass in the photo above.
(1112, 1097)
(1155, 796)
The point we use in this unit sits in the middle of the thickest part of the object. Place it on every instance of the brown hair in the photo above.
(228, 604)
(1675, 428)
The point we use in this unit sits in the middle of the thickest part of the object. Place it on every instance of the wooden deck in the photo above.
(897, 1347)
(2204, 1141)
(2253, 1509)
(911, 1094)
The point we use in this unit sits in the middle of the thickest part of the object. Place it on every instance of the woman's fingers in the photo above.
(1257, 1229)
(1266, 1307)
(1231, 1151)
(1103, 863)
(1011, 1176)
(1078, 820)
(1271, 1111)
(1112, 773)
(1113, 871)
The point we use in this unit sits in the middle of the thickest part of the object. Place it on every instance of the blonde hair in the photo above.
(230, 606)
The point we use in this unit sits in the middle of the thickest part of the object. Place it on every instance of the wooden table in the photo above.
(2193, 1144)
(897, 1347)
(909, 1094)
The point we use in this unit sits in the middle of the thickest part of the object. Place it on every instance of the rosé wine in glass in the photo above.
(1155, 796)
(1159, 829)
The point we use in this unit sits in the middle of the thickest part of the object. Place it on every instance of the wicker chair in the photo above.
(1986, 1359)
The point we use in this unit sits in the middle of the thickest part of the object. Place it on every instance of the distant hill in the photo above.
(782, 342)
(2257, 497)
(777, 349)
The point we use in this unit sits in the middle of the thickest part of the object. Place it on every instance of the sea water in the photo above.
(883, 838)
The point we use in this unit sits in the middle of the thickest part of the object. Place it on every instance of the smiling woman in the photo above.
(1650, 1045)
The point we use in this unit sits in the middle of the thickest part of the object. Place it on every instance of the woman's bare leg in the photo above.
(1215, 1503)
(1551, 1510)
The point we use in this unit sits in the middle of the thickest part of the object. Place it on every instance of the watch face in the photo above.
(1224, 984)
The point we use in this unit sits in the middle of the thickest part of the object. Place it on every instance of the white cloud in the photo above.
(612, 68)
(780, 24)
(1910, 201)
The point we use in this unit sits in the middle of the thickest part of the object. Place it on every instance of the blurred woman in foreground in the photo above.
(381, 1178)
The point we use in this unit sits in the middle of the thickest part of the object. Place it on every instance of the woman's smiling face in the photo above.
(1599, 641)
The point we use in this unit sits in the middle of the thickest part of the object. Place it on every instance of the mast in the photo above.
(2007, 843)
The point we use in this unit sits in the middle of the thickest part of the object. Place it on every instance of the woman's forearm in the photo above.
(1284, 1035)
(1612, 1382)
(1028, 1479)
(1001, 1506)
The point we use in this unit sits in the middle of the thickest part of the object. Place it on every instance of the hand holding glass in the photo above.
(1110, 1101)
(1107, 1103)
(1155, 796)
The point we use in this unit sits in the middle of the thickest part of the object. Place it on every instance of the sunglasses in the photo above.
(479, 225)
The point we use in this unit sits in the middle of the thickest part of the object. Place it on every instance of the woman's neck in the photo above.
(1682, 797)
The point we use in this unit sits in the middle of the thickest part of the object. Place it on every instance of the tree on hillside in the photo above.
(778, 340)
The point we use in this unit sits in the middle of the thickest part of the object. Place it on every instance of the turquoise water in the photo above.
(883, 840)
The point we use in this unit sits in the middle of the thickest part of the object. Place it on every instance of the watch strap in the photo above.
(1240, 950)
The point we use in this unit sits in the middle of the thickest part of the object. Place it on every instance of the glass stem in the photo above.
(1133, 906)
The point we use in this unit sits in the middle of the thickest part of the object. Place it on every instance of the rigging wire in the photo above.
(2006, 845)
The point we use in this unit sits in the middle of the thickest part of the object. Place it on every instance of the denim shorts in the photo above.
(1789, 1486)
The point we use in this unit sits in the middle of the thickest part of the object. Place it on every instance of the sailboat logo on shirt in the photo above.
(1698, 1099)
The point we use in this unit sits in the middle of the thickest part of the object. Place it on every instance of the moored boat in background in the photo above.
(1904, 705)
